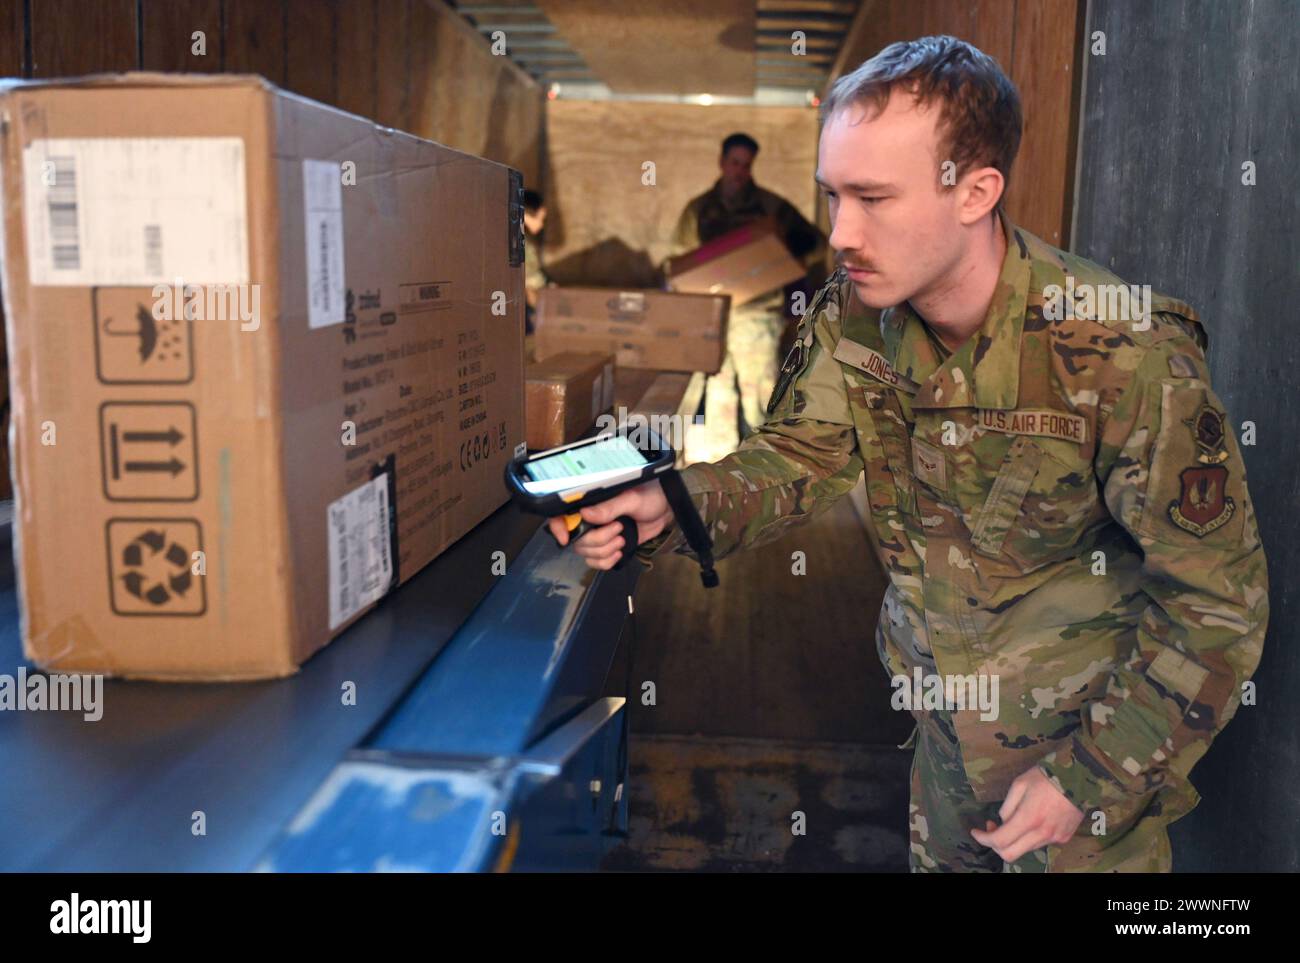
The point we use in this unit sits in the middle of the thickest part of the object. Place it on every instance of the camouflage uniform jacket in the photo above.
(1001, 480)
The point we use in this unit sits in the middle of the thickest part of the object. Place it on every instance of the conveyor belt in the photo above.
(505, 730)
(119, 794)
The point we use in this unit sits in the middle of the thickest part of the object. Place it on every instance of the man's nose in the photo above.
(846, 233)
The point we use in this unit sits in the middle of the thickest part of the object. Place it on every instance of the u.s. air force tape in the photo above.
(1022, 421)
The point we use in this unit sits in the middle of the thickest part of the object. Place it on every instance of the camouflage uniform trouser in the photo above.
(753, 336)
(943, 811)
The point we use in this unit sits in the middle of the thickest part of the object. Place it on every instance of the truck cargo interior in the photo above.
(291, 287)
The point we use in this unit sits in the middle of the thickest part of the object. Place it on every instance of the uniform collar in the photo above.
(744, 197)
(985, 371)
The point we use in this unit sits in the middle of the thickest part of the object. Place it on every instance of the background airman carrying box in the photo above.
(746, 263)
(642, 329)
(565, 394)
(267, 363)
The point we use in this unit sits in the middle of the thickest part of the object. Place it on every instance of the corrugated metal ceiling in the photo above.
(730, 49)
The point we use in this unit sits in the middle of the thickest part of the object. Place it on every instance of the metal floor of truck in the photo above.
(768, 700)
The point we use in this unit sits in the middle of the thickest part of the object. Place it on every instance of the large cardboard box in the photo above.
(642, 329)
(565, 394)
(6, 487)
(266, 359)
(746, 263)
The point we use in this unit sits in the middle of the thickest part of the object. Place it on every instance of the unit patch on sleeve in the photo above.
(1203, 504)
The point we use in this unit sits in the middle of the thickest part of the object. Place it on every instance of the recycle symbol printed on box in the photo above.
(145, 578)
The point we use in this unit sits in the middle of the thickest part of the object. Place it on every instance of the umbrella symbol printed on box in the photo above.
(134, 347)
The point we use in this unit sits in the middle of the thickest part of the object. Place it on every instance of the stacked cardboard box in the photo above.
(745, 263)
(642, 329)
(565, 394)
(267, 362)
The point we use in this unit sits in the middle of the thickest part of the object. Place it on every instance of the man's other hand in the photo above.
(1034, 814)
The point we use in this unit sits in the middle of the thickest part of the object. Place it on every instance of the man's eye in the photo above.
(827, 193)
(871, 200)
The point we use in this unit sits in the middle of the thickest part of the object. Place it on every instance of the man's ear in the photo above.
(980, 192)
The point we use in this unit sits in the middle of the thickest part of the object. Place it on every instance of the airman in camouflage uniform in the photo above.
(1055, 493)
(1061, 503)
(754, 329)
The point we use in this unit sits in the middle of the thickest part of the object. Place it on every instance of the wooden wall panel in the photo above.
(430, 70)
(167, 30)
(469, 99)
(255, 39)
(480, 103)
(1045, 66)
(311, 48)
(358, 56)
(71, 37)
(604, 226)
(1037, 42)
(393, 73)
(11, 39)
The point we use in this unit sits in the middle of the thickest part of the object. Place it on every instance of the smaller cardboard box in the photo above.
(746, 263)
(565, 394)
(642, 329)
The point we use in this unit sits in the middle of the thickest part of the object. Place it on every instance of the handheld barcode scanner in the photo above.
(564, 480)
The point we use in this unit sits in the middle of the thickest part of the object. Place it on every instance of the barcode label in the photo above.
(135, 211)
(322, 197)
(323, 289)
(153, 251)
(360, 559)
(339, 529)
(61, 206)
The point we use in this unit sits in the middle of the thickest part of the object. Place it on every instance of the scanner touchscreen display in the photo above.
(583, 465)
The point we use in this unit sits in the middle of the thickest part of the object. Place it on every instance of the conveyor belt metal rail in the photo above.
(481, 738)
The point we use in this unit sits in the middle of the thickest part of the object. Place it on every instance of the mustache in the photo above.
(845, 262)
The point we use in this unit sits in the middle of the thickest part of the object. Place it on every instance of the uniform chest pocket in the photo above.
(1041, 504)
(885, 418)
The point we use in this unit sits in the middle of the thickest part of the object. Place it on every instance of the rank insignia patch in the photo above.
(1204, 504)
(929, 465)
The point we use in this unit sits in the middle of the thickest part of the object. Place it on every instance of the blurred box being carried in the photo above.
(642, 329)
(745, 263)
(256, 384)
(565, 394)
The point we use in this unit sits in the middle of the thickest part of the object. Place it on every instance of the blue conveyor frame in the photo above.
(486, 734)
